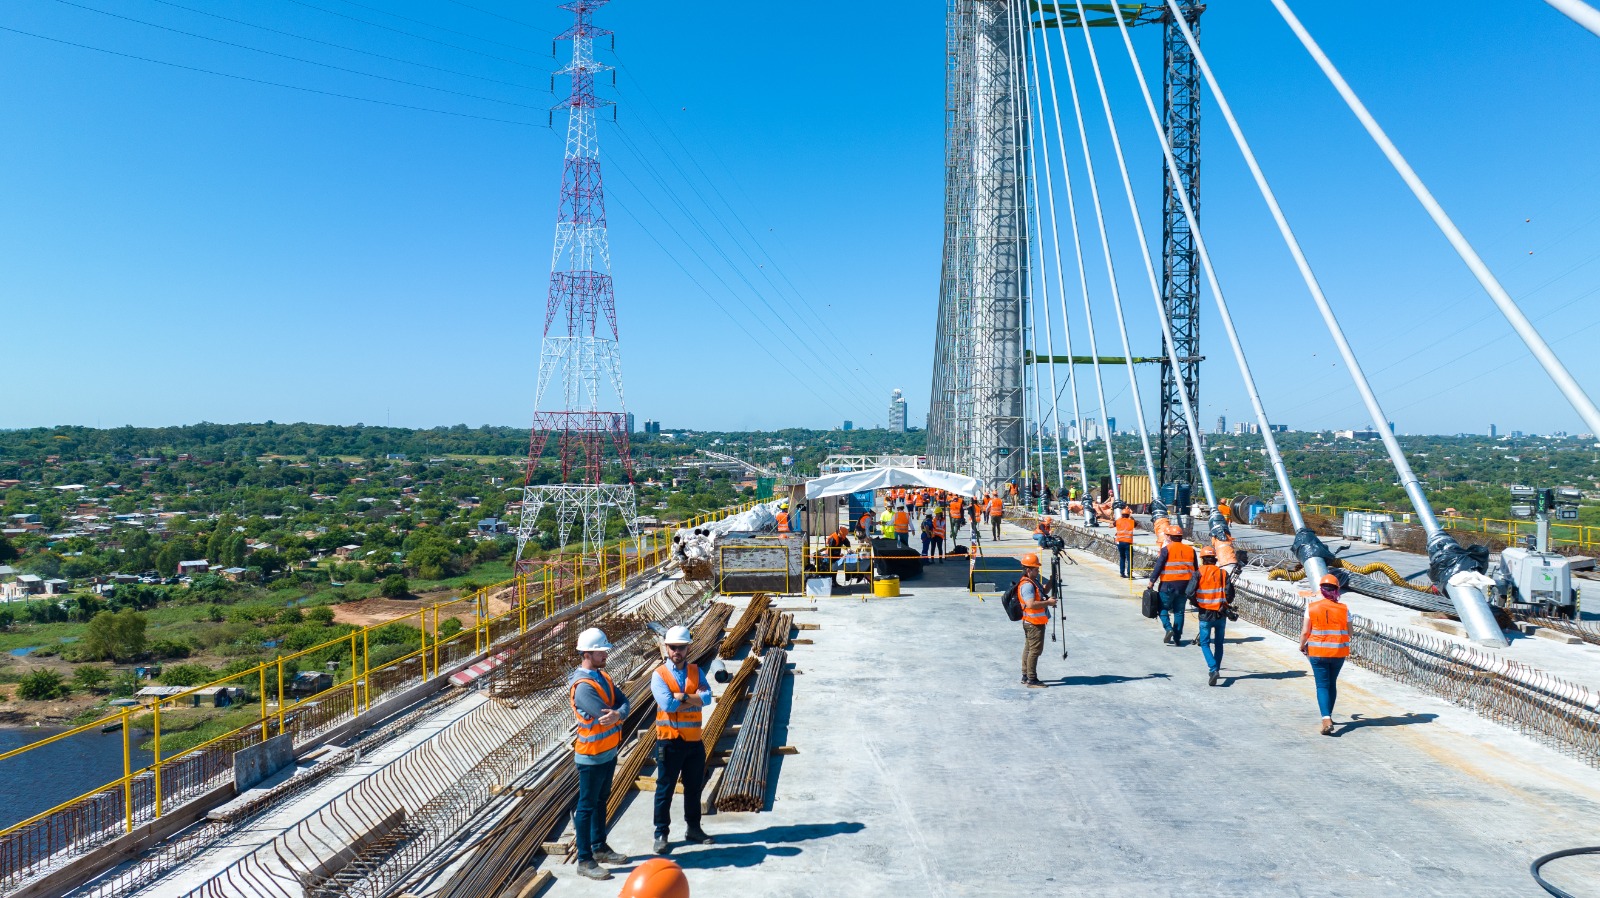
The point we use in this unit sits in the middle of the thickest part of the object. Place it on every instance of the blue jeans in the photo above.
(1172, 601)
(1211, 632)
(1326, 672)
(1125, 559)
(589, 818)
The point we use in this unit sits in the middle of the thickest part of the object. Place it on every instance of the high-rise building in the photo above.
(652, 427)
(1091, 430)
(1111, 427)
(849, 425)
(1493, 431)
(629, 416)
(897, 412)
(1222, 424)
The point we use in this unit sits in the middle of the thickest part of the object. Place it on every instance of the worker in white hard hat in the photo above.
(599, 707)
(681, 692)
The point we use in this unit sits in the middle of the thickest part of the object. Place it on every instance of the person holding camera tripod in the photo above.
(1036, 602)
(1214, 599)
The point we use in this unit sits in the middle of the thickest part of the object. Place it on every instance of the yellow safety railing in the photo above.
(146, 793)
(1586, 536)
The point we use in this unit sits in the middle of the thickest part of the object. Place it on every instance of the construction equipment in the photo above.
(1535, 582)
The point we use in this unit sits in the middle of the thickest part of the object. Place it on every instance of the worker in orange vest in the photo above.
(938, 536)
(996, 514)
(1036, 603)
(1125, 528)
(865, 524)
(1177, 575)
(955, 512)
(599, 707)
(902, 527)
(1325, 639)
(783, 519)
(1042, 529)
(681, 692)
(1213, 594)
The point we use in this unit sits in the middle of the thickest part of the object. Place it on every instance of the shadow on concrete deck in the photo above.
(1104, 679)
(1356, 721)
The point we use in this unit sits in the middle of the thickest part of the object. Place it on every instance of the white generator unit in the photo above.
(1368, 527)
(1542, 580)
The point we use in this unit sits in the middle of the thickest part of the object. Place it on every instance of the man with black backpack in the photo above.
(1029, 601)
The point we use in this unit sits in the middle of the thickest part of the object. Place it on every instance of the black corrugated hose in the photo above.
(1554, 856)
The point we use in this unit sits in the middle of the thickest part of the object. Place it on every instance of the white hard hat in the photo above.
(592, 640)
(678, 636)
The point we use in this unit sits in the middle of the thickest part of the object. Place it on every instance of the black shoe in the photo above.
(592, 870)
(1177, 640)
(1167, 639)
(662, 846)
(1033, 683)
(1213, 678)
(699, 837)
(604, 855)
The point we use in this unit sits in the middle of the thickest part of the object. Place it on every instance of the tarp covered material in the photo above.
(1447, 558)
(884, 478)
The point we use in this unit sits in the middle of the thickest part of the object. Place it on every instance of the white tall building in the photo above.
(897, 412)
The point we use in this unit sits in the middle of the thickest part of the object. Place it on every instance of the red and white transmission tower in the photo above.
(580, 352)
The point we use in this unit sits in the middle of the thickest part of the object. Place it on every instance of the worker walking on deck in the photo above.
(600, 708)
(1177, 575)
(927, 536)
(1212, 597)
(937, 536)
(1125, 528)
(902, 528)
(996, 514)
(1325, 639)
(1036, 603)
(681, 693)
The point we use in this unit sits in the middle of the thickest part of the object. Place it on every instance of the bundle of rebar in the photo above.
(744, 784)
(712, 734)
(515, 840)
(747, 622)
(774, 630)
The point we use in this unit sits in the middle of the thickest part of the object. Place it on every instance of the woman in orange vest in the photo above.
(1125, 528)
(1325, 639)
(1177, 575)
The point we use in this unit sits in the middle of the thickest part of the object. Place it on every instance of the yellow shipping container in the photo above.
(1135, 489)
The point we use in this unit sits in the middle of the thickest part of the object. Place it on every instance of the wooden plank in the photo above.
(529, 884)
(785, 750)
(708, 798)
(807, 626)
(800, 642)
(648, 784)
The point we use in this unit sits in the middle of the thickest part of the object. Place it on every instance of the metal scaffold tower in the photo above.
(976, 419)
(579, 353)
(1180, 275)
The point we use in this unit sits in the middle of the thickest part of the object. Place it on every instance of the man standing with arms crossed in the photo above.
(681, 692)
(600, 708)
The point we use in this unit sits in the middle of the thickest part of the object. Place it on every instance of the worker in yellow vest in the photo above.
(1325, 639)
(1177, 576)
(599, 707)
(681, 692)
(1213, 594)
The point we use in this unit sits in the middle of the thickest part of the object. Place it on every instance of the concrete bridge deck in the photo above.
(924, 768)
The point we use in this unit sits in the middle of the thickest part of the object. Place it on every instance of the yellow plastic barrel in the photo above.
(887, 588)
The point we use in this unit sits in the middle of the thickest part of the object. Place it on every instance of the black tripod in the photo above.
(1056, 546)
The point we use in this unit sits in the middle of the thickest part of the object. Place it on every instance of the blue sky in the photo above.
(178, 246)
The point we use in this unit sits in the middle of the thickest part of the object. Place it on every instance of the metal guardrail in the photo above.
(1559, 713)
(1584, 536)
(141, 796)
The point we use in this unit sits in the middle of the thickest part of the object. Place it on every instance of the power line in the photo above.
(309, 90)
(326, 65)
(324, 43)
(413, 34)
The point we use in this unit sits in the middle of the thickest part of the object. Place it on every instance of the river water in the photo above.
(45, 777)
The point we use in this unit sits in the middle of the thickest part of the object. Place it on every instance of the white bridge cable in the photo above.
(1111, 272)
(1579, 12)
(1508, 307)
(1024, 249)
(1042, 146)
(1408, 478)
(1274, 456)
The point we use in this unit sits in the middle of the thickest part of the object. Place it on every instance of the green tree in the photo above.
(91, 678)
(395, 586)
(321, 614)
(167, 558)
(8, 552)
(186, 675)
(116, 635)
(449, 627)
(42, 685)
(8, 619)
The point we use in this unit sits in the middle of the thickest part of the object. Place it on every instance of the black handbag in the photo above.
(1150, 606)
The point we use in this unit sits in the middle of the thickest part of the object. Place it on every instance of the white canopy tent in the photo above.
(884, 478)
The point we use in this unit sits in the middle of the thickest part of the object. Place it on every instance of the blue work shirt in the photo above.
(680, 675)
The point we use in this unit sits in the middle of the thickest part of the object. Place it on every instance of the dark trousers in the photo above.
(675, 759)
(994, 522)
(589, 819)
(1125, 559)
(1173, 597)
(1326, 673)
(1032, 648)
(903, 539)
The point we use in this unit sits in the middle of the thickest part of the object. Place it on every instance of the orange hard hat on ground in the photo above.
(655, 878)
(1030, 560)
(1329, 580)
